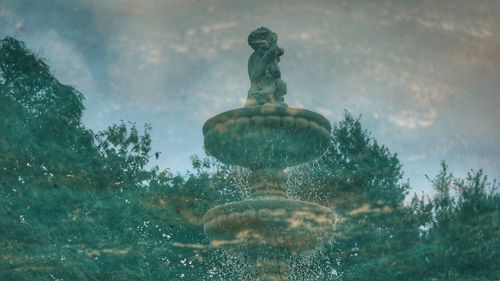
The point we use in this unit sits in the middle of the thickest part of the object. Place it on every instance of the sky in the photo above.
(424, 75)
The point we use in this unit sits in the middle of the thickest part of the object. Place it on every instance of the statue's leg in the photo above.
(280, 90)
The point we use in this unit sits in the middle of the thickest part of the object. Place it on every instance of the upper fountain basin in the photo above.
(266, 136)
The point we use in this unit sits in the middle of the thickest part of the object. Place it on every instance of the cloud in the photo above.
(8, 21)
(474, 28)
(408, 68)
(410, 119)
(66, 61)
(218, 26)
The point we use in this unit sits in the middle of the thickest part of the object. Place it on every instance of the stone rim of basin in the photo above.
(266, 136)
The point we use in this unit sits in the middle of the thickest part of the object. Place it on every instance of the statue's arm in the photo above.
(272, 53)
(251, 65)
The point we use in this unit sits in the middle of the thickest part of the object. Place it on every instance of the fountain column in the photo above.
(266, 136)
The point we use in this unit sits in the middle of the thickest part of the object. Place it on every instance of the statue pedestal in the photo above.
(268, 227)
(267, 136)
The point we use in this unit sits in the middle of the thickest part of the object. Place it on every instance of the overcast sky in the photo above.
(424, 75)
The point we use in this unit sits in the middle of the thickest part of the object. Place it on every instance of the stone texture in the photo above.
(266, 85)
(267, 136)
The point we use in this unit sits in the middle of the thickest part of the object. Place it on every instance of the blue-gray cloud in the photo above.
(424, 74)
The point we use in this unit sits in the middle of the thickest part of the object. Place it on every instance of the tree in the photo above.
(42, 136)
(43, 140)
(79, 205)
(72, 202)
(125, 155)
(354, 171)
(362, 182)
(463, 238)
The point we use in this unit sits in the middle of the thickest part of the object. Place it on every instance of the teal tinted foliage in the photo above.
(42, 135)
(354, 171)
(362, 181)
(463, 238)
(80, 205)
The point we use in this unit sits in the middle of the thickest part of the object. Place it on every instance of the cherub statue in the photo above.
(266, 85)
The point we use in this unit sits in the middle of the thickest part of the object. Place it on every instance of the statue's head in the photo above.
(262, 38)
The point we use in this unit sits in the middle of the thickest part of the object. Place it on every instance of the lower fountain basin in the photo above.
(269, 225)
(265, 136)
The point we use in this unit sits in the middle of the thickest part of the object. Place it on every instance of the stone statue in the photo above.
(266, 136)
(266, 85)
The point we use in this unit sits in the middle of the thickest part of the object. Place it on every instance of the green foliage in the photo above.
(79, 205)
(362, 181)
(355, 171)
(27, 79)
(463, 239)
(72, 234)
(42, 138)
(360, 164)
(43, 141)
(125, 155)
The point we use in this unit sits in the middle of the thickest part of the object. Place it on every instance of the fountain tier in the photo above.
(274, 225)
(266, 136)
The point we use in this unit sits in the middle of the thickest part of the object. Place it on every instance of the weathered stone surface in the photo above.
(272, 224)
(267, 136)
(275, 136)
(266, 85)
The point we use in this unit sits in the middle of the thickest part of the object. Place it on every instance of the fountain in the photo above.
(267, 136)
